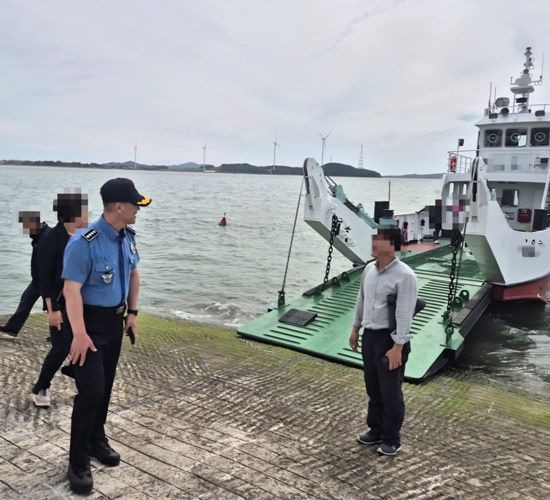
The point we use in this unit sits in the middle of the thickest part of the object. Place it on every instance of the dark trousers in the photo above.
(94, 381)
(61, 345)
(26, 303)
(386, 410)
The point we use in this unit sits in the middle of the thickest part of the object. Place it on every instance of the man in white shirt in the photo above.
(385, 351)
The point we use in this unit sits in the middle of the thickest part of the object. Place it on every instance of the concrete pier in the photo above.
(199, 413)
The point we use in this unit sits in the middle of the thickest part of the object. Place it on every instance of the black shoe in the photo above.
(80, 479)
(369, 438)
(68, 370)
(104, 453)
(6, 334)
(388, 449)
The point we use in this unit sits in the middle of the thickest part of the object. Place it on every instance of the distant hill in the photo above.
(416, 176)
(127, 165)
(331, 169)
(343, 170)
(190, 165)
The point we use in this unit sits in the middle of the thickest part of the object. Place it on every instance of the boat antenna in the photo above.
(204, 158)
(135, 157)
(490, 94)
(281, 298)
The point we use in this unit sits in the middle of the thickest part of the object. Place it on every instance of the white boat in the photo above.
(500, 191)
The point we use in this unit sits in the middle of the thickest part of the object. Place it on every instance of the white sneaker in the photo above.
(42, 399)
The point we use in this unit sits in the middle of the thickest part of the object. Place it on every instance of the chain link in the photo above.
(457, 244)
(334, 231)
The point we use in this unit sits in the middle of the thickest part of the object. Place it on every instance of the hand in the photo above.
(130, 321)
(55, 318)
(79, 349)
(354, 340)
(395, 359)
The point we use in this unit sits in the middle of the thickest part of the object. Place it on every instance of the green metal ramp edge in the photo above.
(327, 335)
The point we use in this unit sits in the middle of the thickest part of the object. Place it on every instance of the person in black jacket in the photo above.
(72, 214)
(36, 230)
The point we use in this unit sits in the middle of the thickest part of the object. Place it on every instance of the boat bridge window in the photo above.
(516, 137)
(540, 136)
(493, 138)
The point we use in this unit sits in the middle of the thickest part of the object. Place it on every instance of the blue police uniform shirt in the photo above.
(101, 261)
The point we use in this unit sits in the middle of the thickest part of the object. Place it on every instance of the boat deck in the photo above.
(327, 335)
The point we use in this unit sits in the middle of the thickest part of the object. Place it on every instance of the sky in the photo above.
(87, 80)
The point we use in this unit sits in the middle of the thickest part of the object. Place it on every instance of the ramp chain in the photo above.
(334, 231)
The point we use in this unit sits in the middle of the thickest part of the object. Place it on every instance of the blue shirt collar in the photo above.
(107, 229)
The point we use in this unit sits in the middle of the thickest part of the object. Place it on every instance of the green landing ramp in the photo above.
(327, 335)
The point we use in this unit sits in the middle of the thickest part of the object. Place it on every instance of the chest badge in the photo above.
(107, 277)
(133, 248)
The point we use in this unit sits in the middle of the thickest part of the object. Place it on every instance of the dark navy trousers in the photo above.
(94, 381)
(26, 303)
(61, 346)
(386, 408)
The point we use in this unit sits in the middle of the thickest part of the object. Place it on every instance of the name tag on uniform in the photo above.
(133, 248)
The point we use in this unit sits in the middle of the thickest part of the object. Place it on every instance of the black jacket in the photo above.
(35, 240)
(50, 263)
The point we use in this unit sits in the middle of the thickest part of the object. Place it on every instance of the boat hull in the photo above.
(538, 290)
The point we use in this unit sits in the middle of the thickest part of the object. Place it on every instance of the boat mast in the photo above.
(523, 86)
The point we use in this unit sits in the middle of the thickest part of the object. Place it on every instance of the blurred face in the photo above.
(382, 246)
(82, 221)
(30, 226)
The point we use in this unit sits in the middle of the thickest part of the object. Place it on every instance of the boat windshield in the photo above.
(516, 137)
(493, 138)
(540, 136)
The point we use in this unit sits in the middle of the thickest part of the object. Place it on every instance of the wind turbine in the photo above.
(275, 146)
(323, 141)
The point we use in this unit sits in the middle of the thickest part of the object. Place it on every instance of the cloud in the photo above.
(88, 80)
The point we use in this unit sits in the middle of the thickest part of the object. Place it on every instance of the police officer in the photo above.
(101, 276)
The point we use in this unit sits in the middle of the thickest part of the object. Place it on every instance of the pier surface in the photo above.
(197, 412)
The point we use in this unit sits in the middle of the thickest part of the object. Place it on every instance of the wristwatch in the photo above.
(133, 311)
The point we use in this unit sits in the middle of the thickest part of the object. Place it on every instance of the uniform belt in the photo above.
(116, 310)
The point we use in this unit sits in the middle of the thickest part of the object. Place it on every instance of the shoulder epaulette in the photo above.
(90, 235)
(130, 229)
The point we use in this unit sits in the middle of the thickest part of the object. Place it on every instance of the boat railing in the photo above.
(518, 108)
(506, 160)
(459, 163)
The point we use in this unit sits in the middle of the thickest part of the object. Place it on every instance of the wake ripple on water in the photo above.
(215, 314)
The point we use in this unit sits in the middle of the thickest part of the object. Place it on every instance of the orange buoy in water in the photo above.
(223, 221)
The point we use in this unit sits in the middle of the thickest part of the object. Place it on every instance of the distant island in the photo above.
(332, 169)
(416, 176)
